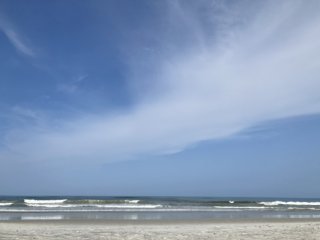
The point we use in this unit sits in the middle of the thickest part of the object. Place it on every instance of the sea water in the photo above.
(154, 208)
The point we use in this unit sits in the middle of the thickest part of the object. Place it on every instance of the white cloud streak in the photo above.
(15, 39)
(268, 68)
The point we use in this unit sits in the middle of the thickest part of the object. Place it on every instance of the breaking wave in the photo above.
(89, 203)
(34, 201)
(4, 204)
(240, 207)
(132, 201)
(94, 206)
(277, 203)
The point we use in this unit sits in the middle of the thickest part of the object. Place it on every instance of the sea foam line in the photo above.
(124, 206)
(5, 204)
(276, 203)
(132, 201)
(34, 201)
(239, 207)
(56, 217)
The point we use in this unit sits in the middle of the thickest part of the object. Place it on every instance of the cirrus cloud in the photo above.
(254, 68)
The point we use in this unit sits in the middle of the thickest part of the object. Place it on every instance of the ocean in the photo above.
(13, 208)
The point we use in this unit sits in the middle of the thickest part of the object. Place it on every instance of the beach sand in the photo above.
(278, 230)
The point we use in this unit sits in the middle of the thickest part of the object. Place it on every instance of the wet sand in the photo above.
(116, 230)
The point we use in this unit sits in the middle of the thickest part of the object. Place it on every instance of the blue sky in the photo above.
(199, 98)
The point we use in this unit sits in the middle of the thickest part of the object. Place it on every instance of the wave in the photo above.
(4, 204)
(102, 201)
(92, 205)
(129, 206)
(56, 205)
(34, 201)
(303, 208)
(239, 207)
(132, 201)
(277, 203)
(57, 217)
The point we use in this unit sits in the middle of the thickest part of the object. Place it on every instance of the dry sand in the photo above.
(278, 230)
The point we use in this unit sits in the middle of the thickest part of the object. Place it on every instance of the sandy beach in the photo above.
(277, 230)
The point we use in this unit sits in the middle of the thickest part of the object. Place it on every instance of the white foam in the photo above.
(304, 208)
(128, 206)
(239, 207)
(132, 201)
(231, 201)
(276, 203)
(56, 217)
(5, 204)
(93, 205)
(34, 201)
(48, 205)
(97, 208)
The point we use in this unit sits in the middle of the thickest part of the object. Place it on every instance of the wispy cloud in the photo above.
(72, 86)
(16, 39)
(265, 68)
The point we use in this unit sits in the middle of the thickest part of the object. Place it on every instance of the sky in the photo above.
(188, 98)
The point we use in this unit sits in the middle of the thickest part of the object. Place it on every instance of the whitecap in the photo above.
(34, 201)
(239, 207)
(128, 206)
(132, 201)
(124, 206)
(276, 203)
(4, 204)
(55, 217)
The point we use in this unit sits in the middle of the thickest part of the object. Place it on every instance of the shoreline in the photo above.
(164, 222)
